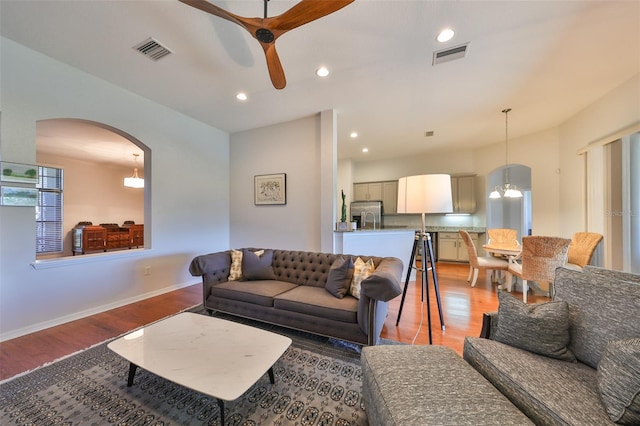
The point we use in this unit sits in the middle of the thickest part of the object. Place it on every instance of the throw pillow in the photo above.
(257, 266)
(361, 270)
(618, 377)
(539, 328)
(235, 272)
(340, 276)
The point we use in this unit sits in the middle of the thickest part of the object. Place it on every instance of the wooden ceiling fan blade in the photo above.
(304, 12)
(205, 6)
(276, 72)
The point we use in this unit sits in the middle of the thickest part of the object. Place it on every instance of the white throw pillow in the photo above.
(235, 272)
(361, 270)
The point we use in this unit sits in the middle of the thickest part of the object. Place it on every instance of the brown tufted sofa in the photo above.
(297, 298)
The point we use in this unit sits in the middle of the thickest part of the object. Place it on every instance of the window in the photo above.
(49, 210)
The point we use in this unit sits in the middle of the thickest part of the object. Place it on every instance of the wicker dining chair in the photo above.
(476, 263)
(581, 249)
(502, 236)
(540, 257)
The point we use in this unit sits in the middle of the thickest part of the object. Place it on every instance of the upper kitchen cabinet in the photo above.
(367, 191)
(390, 196)
(387, 191)
(464, 194)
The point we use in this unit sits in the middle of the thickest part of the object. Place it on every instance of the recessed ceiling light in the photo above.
(445, 35)
(241, 96)
(322, 72)
(365, 149)
(353, 135)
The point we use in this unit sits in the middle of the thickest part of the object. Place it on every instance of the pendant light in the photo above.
(506, 190)
(134, 181)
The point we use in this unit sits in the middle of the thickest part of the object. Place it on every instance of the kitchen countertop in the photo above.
(478, 230)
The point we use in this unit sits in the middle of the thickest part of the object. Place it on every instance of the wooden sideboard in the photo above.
(106, 236)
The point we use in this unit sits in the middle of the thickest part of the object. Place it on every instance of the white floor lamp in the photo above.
(424, 194)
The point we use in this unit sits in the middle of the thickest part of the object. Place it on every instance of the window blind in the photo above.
(49, 210)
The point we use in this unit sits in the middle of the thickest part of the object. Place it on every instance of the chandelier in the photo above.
(134, 181)
(507, 190)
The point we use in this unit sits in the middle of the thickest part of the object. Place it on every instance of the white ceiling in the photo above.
(547, 60)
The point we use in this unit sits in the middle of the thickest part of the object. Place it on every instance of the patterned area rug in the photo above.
(318, 382)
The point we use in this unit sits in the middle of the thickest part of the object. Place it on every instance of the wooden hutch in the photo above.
(107, 236)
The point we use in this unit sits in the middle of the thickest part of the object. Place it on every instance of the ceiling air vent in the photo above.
(152, 49)
(450, 54)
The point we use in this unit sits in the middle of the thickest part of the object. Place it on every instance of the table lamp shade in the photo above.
(425, 194)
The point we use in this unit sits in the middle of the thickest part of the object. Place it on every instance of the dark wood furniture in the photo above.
(107, 236)
(136, 234)
(117, 237)
(87, 237)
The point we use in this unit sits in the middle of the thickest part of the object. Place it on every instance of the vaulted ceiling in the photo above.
(547, 60)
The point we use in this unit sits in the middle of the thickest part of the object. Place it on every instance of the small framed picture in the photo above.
(18, 196)
(270, 189)
(18, 173)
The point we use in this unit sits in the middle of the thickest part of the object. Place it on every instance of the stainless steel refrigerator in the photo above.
(367, 214)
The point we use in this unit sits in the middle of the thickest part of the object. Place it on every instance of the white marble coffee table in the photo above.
(213, 356)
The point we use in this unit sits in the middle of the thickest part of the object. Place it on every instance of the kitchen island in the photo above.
(396, 242)
(377, 242)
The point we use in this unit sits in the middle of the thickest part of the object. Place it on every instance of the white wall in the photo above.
(450, 162)
(187, 195)
(293, 148)
(539, 152)
(613, 112)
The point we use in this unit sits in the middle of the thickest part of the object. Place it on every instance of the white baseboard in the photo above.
(86, 313)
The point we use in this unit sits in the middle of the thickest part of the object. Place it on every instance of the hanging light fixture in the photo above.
(506, 190)
(134, 181)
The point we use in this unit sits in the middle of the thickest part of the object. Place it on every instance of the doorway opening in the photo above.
(94, 159)
(511, 213)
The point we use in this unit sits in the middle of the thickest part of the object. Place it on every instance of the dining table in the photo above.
(508, 250)
(511, 251)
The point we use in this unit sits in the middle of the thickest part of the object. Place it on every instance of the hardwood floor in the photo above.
(462, 308)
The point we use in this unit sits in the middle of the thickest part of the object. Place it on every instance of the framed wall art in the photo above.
(18, 196)
(270, 189)
(18, 173)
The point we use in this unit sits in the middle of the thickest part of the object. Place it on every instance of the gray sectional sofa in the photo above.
(573, 361)
(302, 290)
(570, 381)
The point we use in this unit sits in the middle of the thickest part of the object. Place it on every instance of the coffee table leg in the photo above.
(271, 377)
(132, 373)
(221, 405)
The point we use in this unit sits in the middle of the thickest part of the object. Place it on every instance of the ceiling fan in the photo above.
(267, 30)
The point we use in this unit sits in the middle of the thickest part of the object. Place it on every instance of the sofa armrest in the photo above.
(213, 267)
(384, 283)
(489, 324)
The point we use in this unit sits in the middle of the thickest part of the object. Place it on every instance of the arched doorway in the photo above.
(512, 213)
(94, 159)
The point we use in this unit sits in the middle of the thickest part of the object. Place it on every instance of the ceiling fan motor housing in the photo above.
(264, 35)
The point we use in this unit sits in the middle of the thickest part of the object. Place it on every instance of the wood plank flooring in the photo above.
(462, 308)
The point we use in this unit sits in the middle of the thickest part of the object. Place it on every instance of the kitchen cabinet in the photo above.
(367, 191)
(390, 197)
(463, 191)
(451, 246)
(386, 191)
